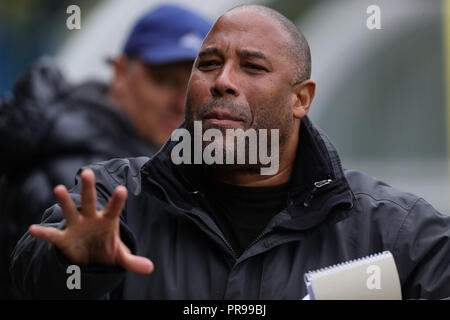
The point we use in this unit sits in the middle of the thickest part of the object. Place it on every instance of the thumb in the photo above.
(133, 263)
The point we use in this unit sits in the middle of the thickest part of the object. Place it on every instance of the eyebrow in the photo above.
(241, 53)
(209, 52)
(252, 54)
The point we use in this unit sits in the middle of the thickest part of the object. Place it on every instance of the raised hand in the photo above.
(91, 236)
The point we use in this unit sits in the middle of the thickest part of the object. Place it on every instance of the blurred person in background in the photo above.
(50, 128)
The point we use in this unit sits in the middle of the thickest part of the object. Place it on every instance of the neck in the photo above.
(255, 179)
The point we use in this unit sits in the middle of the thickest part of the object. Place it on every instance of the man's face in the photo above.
(242, 77)
(154, 97)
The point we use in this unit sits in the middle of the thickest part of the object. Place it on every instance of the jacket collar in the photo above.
(318, 193)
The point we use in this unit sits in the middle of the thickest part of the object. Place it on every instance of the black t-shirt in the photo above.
(242, 213)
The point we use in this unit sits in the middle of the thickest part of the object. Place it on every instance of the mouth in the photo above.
(218, 117)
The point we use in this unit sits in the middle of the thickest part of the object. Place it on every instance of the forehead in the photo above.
(247, 29)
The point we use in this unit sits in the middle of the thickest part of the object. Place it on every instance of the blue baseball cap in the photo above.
(167, 34)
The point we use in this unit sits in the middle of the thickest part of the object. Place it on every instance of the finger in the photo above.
(115, 204)
(48, 234)
(68, 207)
(88, 193)
(133, 263)
(136, 264)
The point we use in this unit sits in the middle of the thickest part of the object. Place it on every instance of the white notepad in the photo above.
(374, 277)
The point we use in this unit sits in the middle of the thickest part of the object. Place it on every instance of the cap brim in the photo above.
(163, 55)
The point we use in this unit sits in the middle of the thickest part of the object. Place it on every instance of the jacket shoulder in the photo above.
(119, 171)
(415, 232)
(377, 191)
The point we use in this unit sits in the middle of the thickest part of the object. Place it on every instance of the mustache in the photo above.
(232, 107)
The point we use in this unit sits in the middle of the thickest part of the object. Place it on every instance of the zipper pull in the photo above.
(317, 185)
(321, 183)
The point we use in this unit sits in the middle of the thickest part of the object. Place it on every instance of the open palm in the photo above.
(92, 236)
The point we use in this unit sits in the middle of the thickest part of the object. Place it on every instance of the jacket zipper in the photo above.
(317, 185)
(220, 236)
(261, 235)
(188, 213)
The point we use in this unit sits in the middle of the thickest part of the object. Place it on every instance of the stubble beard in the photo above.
(266, 120)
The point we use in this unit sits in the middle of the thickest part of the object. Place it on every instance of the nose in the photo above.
(224, 84)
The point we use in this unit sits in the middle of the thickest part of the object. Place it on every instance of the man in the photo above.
(50, 128)
(227, 231)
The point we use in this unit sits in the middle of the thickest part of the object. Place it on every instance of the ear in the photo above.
(119, 65)
(118, 84)
(303, 94)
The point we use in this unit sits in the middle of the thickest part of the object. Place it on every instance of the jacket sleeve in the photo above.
(423, 251)
(40, 271)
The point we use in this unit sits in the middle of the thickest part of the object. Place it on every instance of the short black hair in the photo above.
(299, 48)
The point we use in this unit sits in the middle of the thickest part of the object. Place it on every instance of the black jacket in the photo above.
(48, 130)
(166, 219)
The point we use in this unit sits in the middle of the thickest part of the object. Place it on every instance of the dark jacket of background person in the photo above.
(48, 130)
(166, 219)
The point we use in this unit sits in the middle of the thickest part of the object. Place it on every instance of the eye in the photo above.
(254, 67)
(208, 65)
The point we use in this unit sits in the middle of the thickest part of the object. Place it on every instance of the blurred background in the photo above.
(381, 94)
